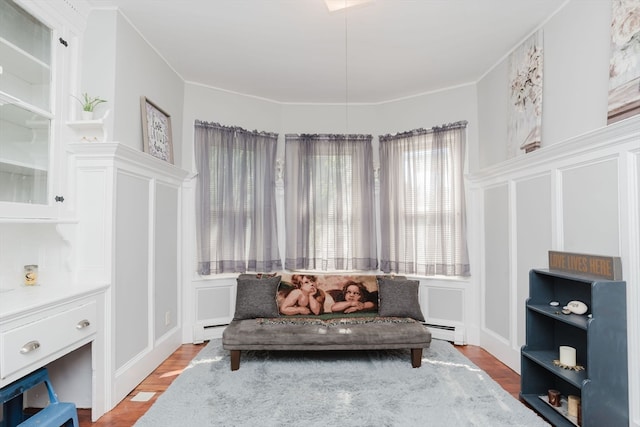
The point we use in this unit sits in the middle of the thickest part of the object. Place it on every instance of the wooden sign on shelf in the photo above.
(606, 267)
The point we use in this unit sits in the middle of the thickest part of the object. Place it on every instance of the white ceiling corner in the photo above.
(297, 51)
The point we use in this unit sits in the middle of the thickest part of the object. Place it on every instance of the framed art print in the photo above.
(524, 126)
(624, 66)
(156, 131)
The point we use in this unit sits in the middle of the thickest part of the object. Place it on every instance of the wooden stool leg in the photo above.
(235, 360)
(416, 357)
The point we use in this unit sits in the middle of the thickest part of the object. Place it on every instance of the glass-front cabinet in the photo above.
(27, 114)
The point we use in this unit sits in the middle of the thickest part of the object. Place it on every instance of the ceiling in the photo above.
(296, 51)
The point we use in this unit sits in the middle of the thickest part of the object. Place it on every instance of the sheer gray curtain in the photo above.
(423, 220)
(329, 203)
(235, 199)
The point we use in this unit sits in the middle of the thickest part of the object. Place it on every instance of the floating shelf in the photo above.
(90, 130)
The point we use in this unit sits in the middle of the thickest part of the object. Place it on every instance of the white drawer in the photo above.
(43, 337)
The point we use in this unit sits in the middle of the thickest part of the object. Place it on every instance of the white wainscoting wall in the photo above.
(581, 195)
(129, 237)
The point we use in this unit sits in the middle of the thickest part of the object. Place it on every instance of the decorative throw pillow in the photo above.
(399, 298)
(256, 297)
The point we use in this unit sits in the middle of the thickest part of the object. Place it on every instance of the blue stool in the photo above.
(56, 414)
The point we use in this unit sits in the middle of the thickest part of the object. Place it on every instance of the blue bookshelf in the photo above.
(599, 337)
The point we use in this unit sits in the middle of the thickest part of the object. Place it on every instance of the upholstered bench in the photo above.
(373, 333)
(394, 321)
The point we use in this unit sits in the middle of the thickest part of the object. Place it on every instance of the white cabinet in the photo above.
(27, 345)
(41, 325)
(26, 111)
(38, 51)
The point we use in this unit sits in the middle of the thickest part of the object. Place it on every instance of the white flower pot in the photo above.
(87, 115)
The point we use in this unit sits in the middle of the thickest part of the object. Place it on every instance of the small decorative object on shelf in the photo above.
(577, 307)
(574, 405)
(604, 267)
(568, 359)
(554, 397)
(88, 104)
(559, 363)
(567, 355)
(31, 274)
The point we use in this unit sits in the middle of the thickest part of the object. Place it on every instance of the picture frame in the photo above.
(624, 68)
(524, 119)
(156, 130)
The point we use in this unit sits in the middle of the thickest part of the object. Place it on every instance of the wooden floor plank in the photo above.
(127, 412)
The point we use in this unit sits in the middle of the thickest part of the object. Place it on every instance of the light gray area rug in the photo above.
(327, 388)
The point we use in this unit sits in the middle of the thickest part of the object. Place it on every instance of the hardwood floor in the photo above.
(501, 373)
(127, 412)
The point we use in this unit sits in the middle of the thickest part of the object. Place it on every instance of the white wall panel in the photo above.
(590, 208)
(166, 280)
(533, 217)
(445, 304)
(93, 260)
(497, 261)
(131, 286)
(214, 305)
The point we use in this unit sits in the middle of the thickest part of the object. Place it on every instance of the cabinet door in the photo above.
(26, 113)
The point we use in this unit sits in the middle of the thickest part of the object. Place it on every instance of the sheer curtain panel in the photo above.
(235, 199)
(422, 202)
(329, 203)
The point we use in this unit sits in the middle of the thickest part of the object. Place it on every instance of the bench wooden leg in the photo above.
(235, 360)
(416, 357)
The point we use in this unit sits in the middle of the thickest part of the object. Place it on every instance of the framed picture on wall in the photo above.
(156, 131)
(624, 67)
(525, 96)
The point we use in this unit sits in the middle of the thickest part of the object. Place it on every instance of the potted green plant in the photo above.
(88, 104)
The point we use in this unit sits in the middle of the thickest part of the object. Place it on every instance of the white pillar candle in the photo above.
(567, 356)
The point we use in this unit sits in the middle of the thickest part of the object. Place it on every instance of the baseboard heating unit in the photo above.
(453, 333)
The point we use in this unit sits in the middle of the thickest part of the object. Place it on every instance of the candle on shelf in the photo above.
(554, 398)
(574, 404)
(567, 356)
(31, 274)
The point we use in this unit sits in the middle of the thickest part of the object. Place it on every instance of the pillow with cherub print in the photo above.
(309, 294)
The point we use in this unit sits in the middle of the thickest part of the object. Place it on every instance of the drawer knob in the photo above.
(83, 324)
(29, 347)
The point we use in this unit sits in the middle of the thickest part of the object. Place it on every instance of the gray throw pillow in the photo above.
(256, 297)
(399, 298)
